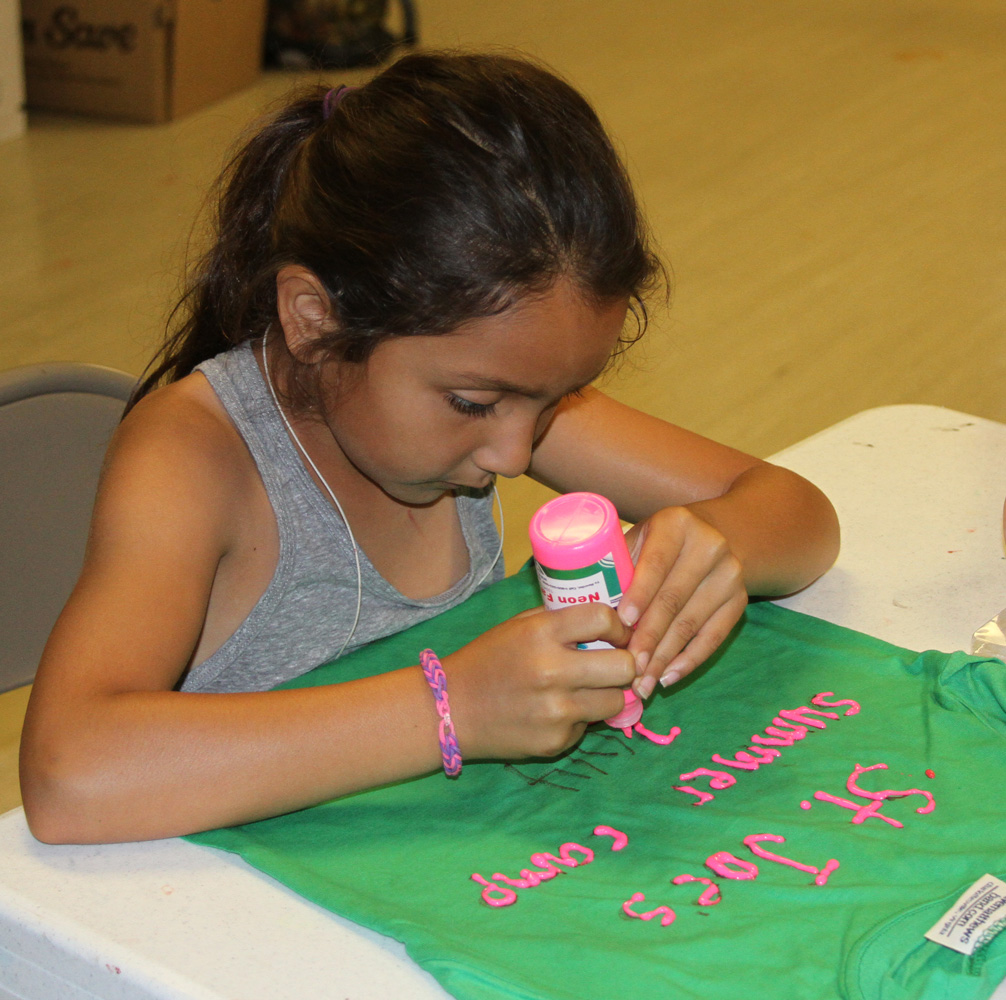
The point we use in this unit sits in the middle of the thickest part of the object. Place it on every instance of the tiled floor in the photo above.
(826, 180)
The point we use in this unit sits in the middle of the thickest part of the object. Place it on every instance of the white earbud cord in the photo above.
(338, 506)
(328, 489)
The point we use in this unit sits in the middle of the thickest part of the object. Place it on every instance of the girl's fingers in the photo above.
(700, 623)
(600, 703)
(651, 570)
(701, 646)
(589, 623)
(539, 610)
(700, 580)
(557, 634)
(603, 668)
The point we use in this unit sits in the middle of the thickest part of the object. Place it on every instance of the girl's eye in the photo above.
(468, 408)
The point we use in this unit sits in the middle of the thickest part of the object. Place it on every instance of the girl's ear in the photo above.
(305, 312)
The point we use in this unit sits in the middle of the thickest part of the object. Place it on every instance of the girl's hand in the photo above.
(686, 594)
(523, 689)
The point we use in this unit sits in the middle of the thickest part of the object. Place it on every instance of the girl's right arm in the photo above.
(111, 752)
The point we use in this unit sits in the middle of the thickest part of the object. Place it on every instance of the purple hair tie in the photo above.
(332, 98)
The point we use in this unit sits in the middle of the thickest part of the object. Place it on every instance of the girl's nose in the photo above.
(508, 452)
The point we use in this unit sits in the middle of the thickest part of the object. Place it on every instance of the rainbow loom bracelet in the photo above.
(434, 672)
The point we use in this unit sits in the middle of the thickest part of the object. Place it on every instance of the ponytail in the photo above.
(230, 292)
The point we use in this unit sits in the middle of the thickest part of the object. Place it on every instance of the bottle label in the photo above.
(594, 584)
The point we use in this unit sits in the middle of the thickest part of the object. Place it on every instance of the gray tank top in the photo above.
(307, 611)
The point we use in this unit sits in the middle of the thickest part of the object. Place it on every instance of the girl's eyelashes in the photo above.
(468, 408)
(471, 409)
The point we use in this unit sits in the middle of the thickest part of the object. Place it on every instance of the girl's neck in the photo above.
(419, 550)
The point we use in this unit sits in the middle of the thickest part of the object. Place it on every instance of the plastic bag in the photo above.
(990, 639)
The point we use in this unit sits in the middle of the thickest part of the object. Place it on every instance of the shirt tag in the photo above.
(977, 917)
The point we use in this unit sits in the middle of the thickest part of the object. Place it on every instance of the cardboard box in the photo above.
(139, 60)
(12, 121)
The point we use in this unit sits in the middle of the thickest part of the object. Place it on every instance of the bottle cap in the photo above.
(574, 530)
(631, 712)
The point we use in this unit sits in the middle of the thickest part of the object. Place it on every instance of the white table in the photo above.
(919, 490)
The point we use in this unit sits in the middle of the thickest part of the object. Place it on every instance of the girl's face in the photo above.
(427, 414)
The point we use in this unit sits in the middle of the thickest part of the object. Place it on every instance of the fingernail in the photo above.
(645, 688)
(641, 660)
(669, 677)
(628, 614)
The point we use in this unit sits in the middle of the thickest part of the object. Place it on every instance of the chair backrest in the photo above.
(55, 423)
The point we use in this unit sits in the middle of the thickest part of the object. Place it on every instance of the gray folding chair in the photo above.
(55, 423)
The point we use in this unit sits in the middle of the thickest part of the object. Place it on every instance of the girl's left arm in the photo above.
(711, 525)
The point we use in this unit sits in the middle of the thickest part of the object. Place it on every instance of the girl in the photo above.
(412, 288)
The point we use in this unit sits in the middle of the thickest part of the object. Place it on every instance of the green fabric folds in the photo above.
(399, 859)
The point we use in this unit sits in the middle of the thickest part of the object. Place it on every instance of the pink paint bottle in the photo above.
(581, 557)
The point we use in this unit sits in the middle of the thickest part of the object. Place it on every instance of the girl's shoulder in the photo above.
(179, 443)
(184, 418)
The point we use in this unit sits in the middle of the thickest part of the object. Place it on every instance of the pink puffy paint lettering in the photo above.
(548, 866)
(875, 800)
(818, 699)
(619, 839)
(802, 716)
(721, 862)
(657, 738)
(889, 793)
(493, 894)
(710, 896)
(717, 779)
(753, 842)
(790, 726)
(703, 797)
(666, 914)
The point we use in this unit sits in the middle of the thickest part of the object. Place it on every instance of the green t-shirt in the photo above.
(400, 859)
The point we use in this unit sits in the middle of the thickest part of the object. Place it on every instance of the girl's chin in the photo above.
(418, 494)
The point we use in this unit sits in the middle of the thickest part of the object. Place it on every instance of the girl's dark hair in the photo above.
(445, 189)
